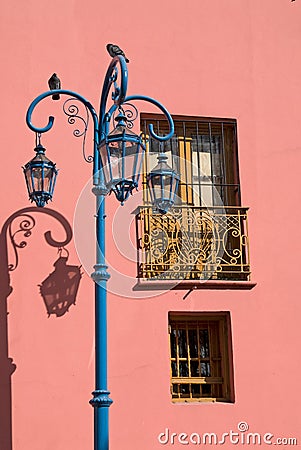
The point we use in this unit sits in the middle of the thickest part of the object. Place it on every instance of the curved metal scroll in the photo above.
(48, 127)
(163, 109)
(72, 111)
(102, 124)
(144, 98)
(118, 94)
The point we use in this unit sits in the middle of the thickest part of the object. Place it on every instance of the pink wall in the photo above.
(223, 58)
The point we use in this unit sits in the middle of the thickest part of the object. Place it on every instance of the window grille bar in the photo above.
(238, 194)
(185, 163)
(211, 163)
(199, 163)
(223, 166)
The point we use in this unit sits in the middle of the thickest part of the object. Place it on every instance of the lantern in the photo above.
(163, 184)
(121, 154)
(40, 176)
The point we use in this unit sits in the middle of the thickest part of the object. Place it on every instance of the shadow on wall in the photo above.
(58, 291)
(60, 288)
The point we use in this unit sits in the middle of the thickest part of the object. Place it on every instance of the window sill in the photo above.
(154, 285)
(182, 401)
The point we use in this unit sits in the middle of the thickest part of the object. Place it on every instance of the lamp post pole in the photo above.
(119, 145)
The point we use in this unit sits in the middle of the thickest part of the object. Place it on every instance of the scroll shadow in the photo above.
(7, 366)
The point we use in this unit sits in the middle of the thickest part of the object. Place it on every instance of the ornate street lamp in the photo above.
(117, 161)
(163, 184)
(121, 153)
(40, 175)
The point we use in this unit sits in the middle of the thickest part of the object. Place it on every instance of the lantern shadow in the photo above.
(60, 288)
(25, 223)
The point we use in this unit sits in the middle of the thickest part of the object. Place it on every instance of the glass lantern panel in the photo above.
(174, 188)
(162, 186)
(167, 183)
(48, 175)
(105, 163)
(156, 190)
(28, 180)
(37, 178)
(115, 149)
(132, 161)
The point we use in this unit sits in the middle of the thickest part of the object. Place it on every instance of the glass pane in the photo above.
(47, 178)
(37, 178)
(137, 164)
(105, 163)
(182, 343)
(196, 390)
(115, 166)
(205, 369)
(129, 166)
(184, 389)
(175, 390)
(204, 344)
(173, 347)
(205, 165)
(183, 366)
(174, 370)
(156, 184)
(207, 195)
(194, 367)
(28, 179)
(193, 343)
(206, 390)
(167, 186)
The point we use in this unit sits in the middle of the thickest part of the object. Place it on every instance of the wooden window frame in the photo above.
(203, 126)
(219, 382)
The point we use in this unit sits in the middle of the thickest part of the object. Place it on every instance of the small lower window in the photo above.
(201, 357)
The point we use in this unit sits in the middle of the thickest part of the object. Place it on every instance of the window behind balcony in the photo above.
(204, 153)
(204, 236)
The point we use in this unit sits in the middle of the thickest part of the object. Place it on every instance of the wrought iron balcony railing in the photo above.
(193, 243)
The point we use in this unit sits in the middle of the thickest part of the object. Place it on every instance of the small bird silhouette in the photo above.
(54, 83)
(114, 50)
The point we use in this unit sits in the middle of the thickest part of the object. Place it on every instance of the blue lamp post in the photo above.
(117, 161)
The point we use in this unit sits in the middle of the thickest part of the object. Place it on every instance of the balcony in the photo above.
(196, 247)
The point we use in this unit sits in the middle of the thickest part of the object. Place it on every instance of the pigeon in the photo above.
(54, 83)
(114, 50)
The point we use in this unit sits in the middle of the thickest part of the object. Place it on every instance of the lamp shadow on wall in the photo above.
(63, 290)
(59, 289)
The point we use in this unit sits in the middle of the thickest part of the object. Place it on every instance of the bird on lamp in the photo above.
(114, 50)
(54, 83)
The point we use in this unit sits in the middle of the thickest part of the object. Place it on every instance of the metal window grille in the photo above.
(200, 357)
(204, 152)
